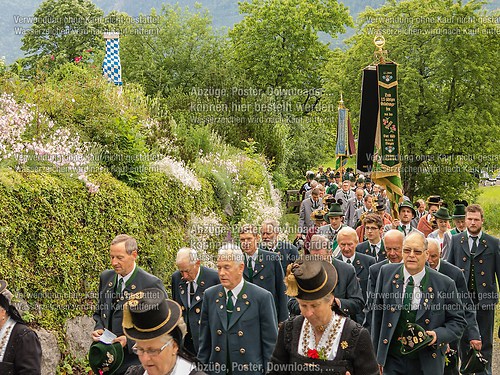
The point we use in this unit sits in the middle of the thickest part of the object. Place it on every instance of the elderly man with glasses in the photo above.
(416, 313)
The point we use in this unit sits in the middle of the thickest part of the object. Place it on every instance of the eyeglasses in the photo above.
(415, 252)
(150, 352)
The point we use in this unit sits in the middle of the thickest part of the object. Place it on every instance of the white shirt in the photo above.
(344, 258)
(253, 257)
(5, 333)
(236, 290)
(417, 289)
(182, 367)
(126, 278)
(194, 285)
(469, 237)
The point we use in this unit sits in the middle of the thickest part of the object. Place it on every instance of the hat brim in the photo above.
(327, 288)
(442, 217)
(334, 214)
(171, 322)
(411, 208)
(116, 363)
(458, 217)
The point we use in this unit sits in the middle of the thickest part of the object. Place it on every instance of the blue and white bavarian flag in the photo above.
(111, 67)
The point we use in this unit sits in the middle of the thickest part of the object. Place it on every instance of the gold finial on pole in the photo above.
(341, 102)
(381, 53)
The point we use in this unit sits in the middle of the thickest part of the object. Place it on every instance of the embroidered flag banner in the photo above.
(386, 157)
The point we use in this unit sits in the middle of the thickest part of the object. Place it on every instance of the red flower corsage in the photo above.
(313, 353)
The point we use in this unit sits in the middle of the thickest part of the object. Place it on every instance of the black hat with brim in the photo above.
(434, 200)
(459, 211)
(413, 339)
(105, 357)
(148, 314)
(310, 278)
(474, 362)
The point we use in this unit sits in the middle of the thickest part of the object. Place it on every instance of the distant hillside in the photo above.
(224, 13)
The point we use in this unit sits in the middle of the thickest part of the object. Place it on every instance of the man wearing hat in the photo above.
(238, 321)
(353, 205)
(404, 223)
(424, 225)
(189, 283)
(416, 313)
(348, 294)
(115, 286)
(471, 333)
(334, 218)
(366, 208)
(478, 255)
(306, 186)
(374, 245)
(263, 268)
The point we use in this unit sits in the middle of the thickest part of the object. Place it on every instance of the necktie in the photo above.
(348, 261)
(474, 245)
(408, 294)
(229, 305)
(191, 292)
(119, 286)
(315, 204)
(250, 269)
(404, 230)
(374, 251)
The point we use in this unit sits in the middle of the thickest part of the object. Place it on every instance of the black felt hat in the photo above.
(434, 200)
(148, 314)
(380, 206)
(310, 278)
(459, 211)
(414, 338)
(474, 362)
(318, 215)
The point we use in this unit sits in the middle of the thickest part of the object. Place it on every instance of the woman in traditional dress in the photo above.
(20, 350)
(157, 327)
(321, 339)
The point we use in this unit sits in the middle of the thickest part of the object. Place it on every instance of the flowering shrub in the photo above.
(34, 143)
(177, 170)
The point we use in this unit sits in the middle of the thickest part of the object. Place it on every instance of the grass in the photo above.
(490, 201)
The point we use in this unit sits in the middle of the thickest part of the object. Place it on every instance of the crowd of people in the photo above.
(358, 292)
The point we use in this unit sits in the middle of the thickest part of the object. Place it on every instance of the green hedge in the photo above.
(54, 235)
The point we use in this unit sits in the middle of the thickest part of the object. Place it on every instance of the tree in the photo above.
(62, 30)
(277, 42)
(448, 62)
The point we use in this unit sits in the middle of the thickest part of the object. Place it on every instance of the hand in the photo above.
(299, 235)
(476, 344)
(381, 369)
(96, 335)
(122, 340)
(434, 337)
(396, 223)
(447, 348)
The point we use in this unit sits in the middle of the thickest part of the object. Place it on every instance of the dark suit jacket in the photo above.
(347, 290)
(365, 248)
(268, 274)
(207, 278)
(486, 264)
(455, 273)
(250, 336)
(23, 354)
(103, 316)
(361, 264)
(440, 310)
(370, 289)
(288, 253)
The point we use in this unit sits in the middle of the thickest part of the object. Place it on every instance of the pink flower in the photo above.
(78, 59)
(52, 57)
